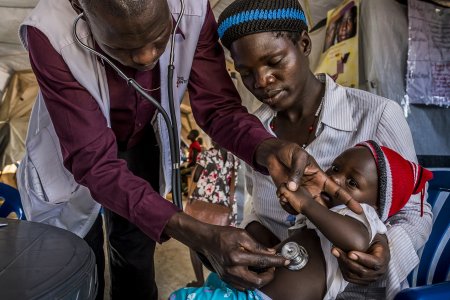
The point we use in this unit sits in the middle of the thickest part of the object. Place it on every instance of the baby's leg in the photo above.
(308, 283)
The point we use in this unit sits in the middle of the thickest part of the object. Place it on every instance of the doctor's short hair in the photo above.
(245, 17)
(123, 8)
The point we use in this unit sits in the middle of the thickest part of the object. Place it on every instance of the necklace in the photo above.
(310, 128)
(152, 90)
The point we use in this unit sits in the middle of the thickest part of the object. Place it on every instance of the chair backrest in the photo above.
(434, 265)
(10, 202)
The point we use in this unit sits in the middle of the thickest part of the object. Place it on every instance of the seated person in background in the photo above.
(378, 178)
(213, 180)
(194, 149)
(269, 43)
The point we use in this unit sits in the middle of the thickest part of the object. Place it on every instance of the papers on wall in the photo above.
(428, 73)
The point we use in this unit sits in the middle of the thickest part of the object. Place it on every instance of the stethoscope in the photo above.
(171, 126)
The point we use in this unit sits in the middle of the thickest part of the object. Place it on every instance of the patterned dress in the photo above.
(214, 182)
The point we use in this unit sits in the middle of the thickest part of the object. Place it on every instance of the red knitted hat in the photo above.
(398, 179)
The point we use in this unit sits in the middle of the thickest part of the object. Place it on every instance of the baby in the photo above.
(380, 179)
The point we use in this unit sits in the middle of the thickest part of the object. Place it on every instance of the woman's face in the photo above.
(272, 68)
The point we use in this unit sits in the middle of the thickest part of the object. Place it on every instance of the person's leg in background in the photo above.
(130, 250)
(94, 238)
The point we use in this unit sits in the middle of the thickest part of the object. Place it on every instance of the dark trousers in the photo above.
(130, 250)
(131, 260)
(95, 240)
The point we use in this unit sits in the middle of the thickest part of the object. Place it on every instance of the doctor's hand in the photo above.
(288, 164)
(232, 252)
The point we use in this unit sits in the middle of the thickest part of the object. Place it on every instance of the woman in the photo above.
(270, 45)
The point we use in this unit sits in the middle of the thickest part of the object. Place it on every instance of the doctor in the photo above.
(91, 136)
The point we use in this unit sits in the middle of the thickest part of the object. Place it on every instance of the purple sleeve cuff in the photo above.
(252, 161)
(152, 219)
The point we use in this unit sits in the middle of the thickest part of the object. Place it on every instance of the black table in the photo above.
(39, 261)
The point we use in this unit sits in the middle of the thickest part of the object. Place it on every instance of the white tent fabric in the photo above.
(384, 47)
(18, 87)
(14, 114)
(13, 56)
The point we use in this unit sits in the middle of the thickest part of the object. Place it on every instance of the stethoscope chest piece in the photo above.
(296, 254)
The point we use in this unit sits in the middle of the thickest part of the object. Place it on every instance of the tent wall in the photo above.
(383, 56)
(12, 55)
(385, 46)
(14, 115)
(18, 87)
(383, 52)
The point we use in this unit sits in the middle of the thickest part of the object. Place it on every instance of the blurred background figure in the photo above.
(214, 180)
(194, 149)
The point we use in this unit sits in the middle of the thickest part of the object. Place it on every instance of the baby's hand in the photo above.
(297, 200)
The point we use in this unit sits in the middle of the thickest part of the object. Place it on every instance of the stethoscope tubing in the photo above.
(172, 127)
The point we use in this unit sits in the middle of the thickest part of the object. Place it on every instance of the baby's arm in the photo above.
(344, 232)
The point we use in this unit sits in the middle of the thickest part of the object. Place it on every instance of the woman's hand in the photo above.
(364, 268)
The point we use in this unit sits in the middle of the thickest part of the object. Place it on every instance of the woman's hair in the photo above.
(245, 17)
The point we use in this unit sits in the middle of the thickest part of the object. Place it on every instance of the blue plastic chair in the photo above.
(11, 202)
(431, 278)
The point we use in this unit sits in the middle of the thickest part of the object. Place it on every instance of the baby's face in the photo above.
(356, 172)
